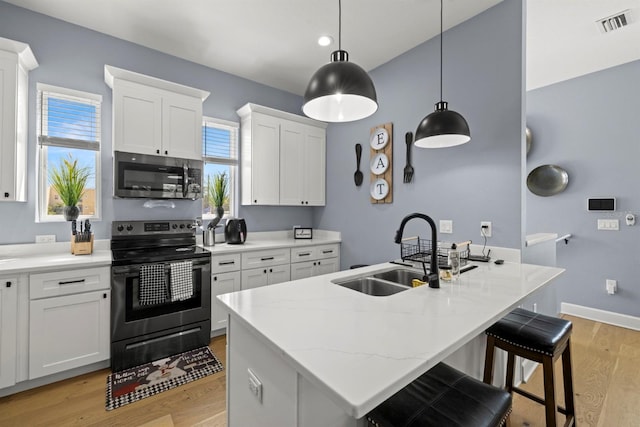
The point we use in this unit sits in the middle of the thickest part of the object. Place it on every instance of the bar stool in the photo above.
(542, 339)
(443, 396)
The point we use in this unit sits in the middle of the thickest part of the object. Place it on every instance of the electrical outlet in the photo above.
(46, 238)
(485, 228)
(255, 385)
(612, 286)
(446, 226)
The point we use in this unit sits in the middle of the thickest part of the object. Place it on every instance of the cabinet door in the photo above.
(222, 283)
(302, 270)
(326, 266)
(292, 163)
(67, 332)
(279, 274)
(254, 278)
(137, 118)
(314, 170)
(265, 160)
(8, 329)
(181, 126)
(8, 92)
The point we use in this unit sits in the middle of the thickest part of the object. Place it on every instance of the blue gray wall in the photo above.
(74, 57)
(590, 126)
(478, 181)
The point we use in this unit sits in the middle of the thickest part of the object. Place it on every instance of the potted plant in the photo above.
(218, 192)
(69, 180)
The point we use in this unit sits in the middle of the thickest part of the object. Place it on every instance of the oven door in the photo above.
(130, 318)
(158, 177)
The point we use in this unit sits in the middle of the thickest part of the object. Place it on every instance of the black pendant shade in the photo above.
(340, 91)
(442, 128)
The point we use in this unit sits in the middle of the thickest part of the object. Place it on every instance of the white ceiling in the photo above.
(274, 42)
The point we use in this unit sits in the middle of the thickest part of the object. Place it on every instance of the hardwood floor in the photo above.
(606, 382)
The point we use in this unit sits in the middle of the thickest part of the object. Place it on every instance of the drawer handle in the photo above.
(227, 263)
(71, 282)
(269, 258)
(328, 252)
(305, 254)
(8, 284)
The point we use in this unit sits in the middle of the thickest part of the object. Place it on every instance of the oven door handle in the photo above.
(185, 180)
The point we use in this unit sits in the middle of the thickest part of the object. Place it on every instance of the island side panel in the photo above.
(287, 398)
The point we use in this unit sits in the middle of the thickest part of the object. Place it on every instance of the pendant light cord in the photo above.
(339, 24)
(441, 1)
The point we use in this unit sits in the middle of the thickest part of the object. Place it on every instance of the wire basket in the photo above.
(419, 250)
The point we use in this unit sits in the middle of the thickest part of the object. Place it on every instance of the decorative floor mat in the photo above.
(142, 381)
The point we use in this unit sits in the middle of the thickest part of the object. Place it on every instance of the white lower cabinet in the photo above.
(256, 277)
(222, 283)
(314, 260)
(68, 332)
(8, 330)
(69, 319)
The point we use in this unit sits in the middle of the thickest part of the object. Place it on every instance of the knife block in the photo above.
(81, 248)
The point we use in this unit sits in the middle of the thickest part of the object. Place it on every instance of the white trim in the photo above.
(616, 319)
(112, 73)
(228, 123)
(249, 108)
(43, 87)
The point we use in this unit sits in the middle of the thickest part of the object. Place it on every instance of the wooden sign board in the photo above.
(381, 163)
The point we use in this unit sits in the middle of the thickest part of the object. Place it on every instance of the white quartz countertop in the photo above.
(361, 349)
(54, 261)
(275, 240)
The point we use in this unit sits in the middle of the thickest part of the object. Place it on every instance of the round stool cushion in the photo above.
(443, 396)
(530, 330)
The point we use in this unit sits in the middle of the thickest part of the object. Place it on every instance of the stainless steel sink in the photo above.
(399, 275)
(372, 286)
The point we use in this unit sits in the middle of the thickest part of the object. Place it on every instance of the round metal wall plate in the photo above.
(547, 180)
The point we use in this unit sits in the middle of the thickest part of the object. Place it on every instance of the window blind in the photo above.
(67, 119)
(220, 141)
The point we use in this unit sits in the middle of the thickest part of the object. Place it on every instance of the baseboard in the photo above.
(616, 319)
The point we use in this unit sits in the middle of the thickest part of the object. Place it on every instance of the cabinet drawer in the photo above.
(328, 251)
(266, 258)
(44, 285)
(225, 262)
(305, 253)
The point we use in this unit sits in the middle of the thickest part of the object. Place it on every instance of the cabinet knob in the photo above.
(265, 271)
(215, 278)
(302, 202)
(8, 284)
(271, 270)
(255, 201)
(6, 194)
(104, 296)
(157, 151)
(166, 152)
(306, 203)
(314, 263)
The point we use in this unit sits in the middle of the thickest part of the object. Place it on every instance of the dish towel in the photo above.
(181, 280)
(153, 285)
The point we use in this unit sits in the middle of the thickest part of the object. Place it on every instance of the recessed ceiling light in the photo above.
(325, 40)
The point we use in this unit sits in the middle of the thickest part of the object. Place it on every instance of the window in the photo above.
(220, 152)
(68, 130)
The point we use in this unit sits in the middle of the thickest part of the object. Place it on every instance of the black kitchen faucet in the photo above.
(433, 278)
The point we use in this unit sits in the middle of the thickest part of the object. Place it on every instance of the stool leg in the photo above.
(511, 367)
(549, 391)
(488, 360)
(568, 383)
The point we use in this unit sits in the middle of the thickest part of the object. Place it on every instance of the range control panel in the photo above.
(141, 228)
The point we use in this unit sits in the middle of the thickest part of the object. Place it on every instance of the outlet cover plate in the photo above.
(446, 226)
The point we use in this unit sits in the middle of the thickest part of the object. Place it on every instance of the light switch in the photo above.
(255, 385)
(446, 226)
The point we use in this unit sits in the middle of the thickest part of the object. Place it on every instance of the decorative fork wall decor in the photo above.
(408, 169)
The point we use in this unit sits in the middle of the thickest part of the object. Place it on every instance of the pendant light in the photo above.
(443, 127)
(340, 91)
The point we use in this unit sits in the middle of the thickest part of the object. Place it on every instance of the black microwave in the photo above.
(156, 177)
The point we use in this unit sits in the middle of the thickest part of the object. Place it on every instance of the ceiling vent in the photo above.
(614, 22)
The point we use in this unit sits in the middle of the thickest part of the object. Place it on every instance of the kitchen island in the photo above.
(312, 353)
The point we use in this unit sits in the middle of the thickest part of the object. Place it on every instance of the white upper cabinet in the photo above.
(153, 116)
(283, 158)
(16, 60)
